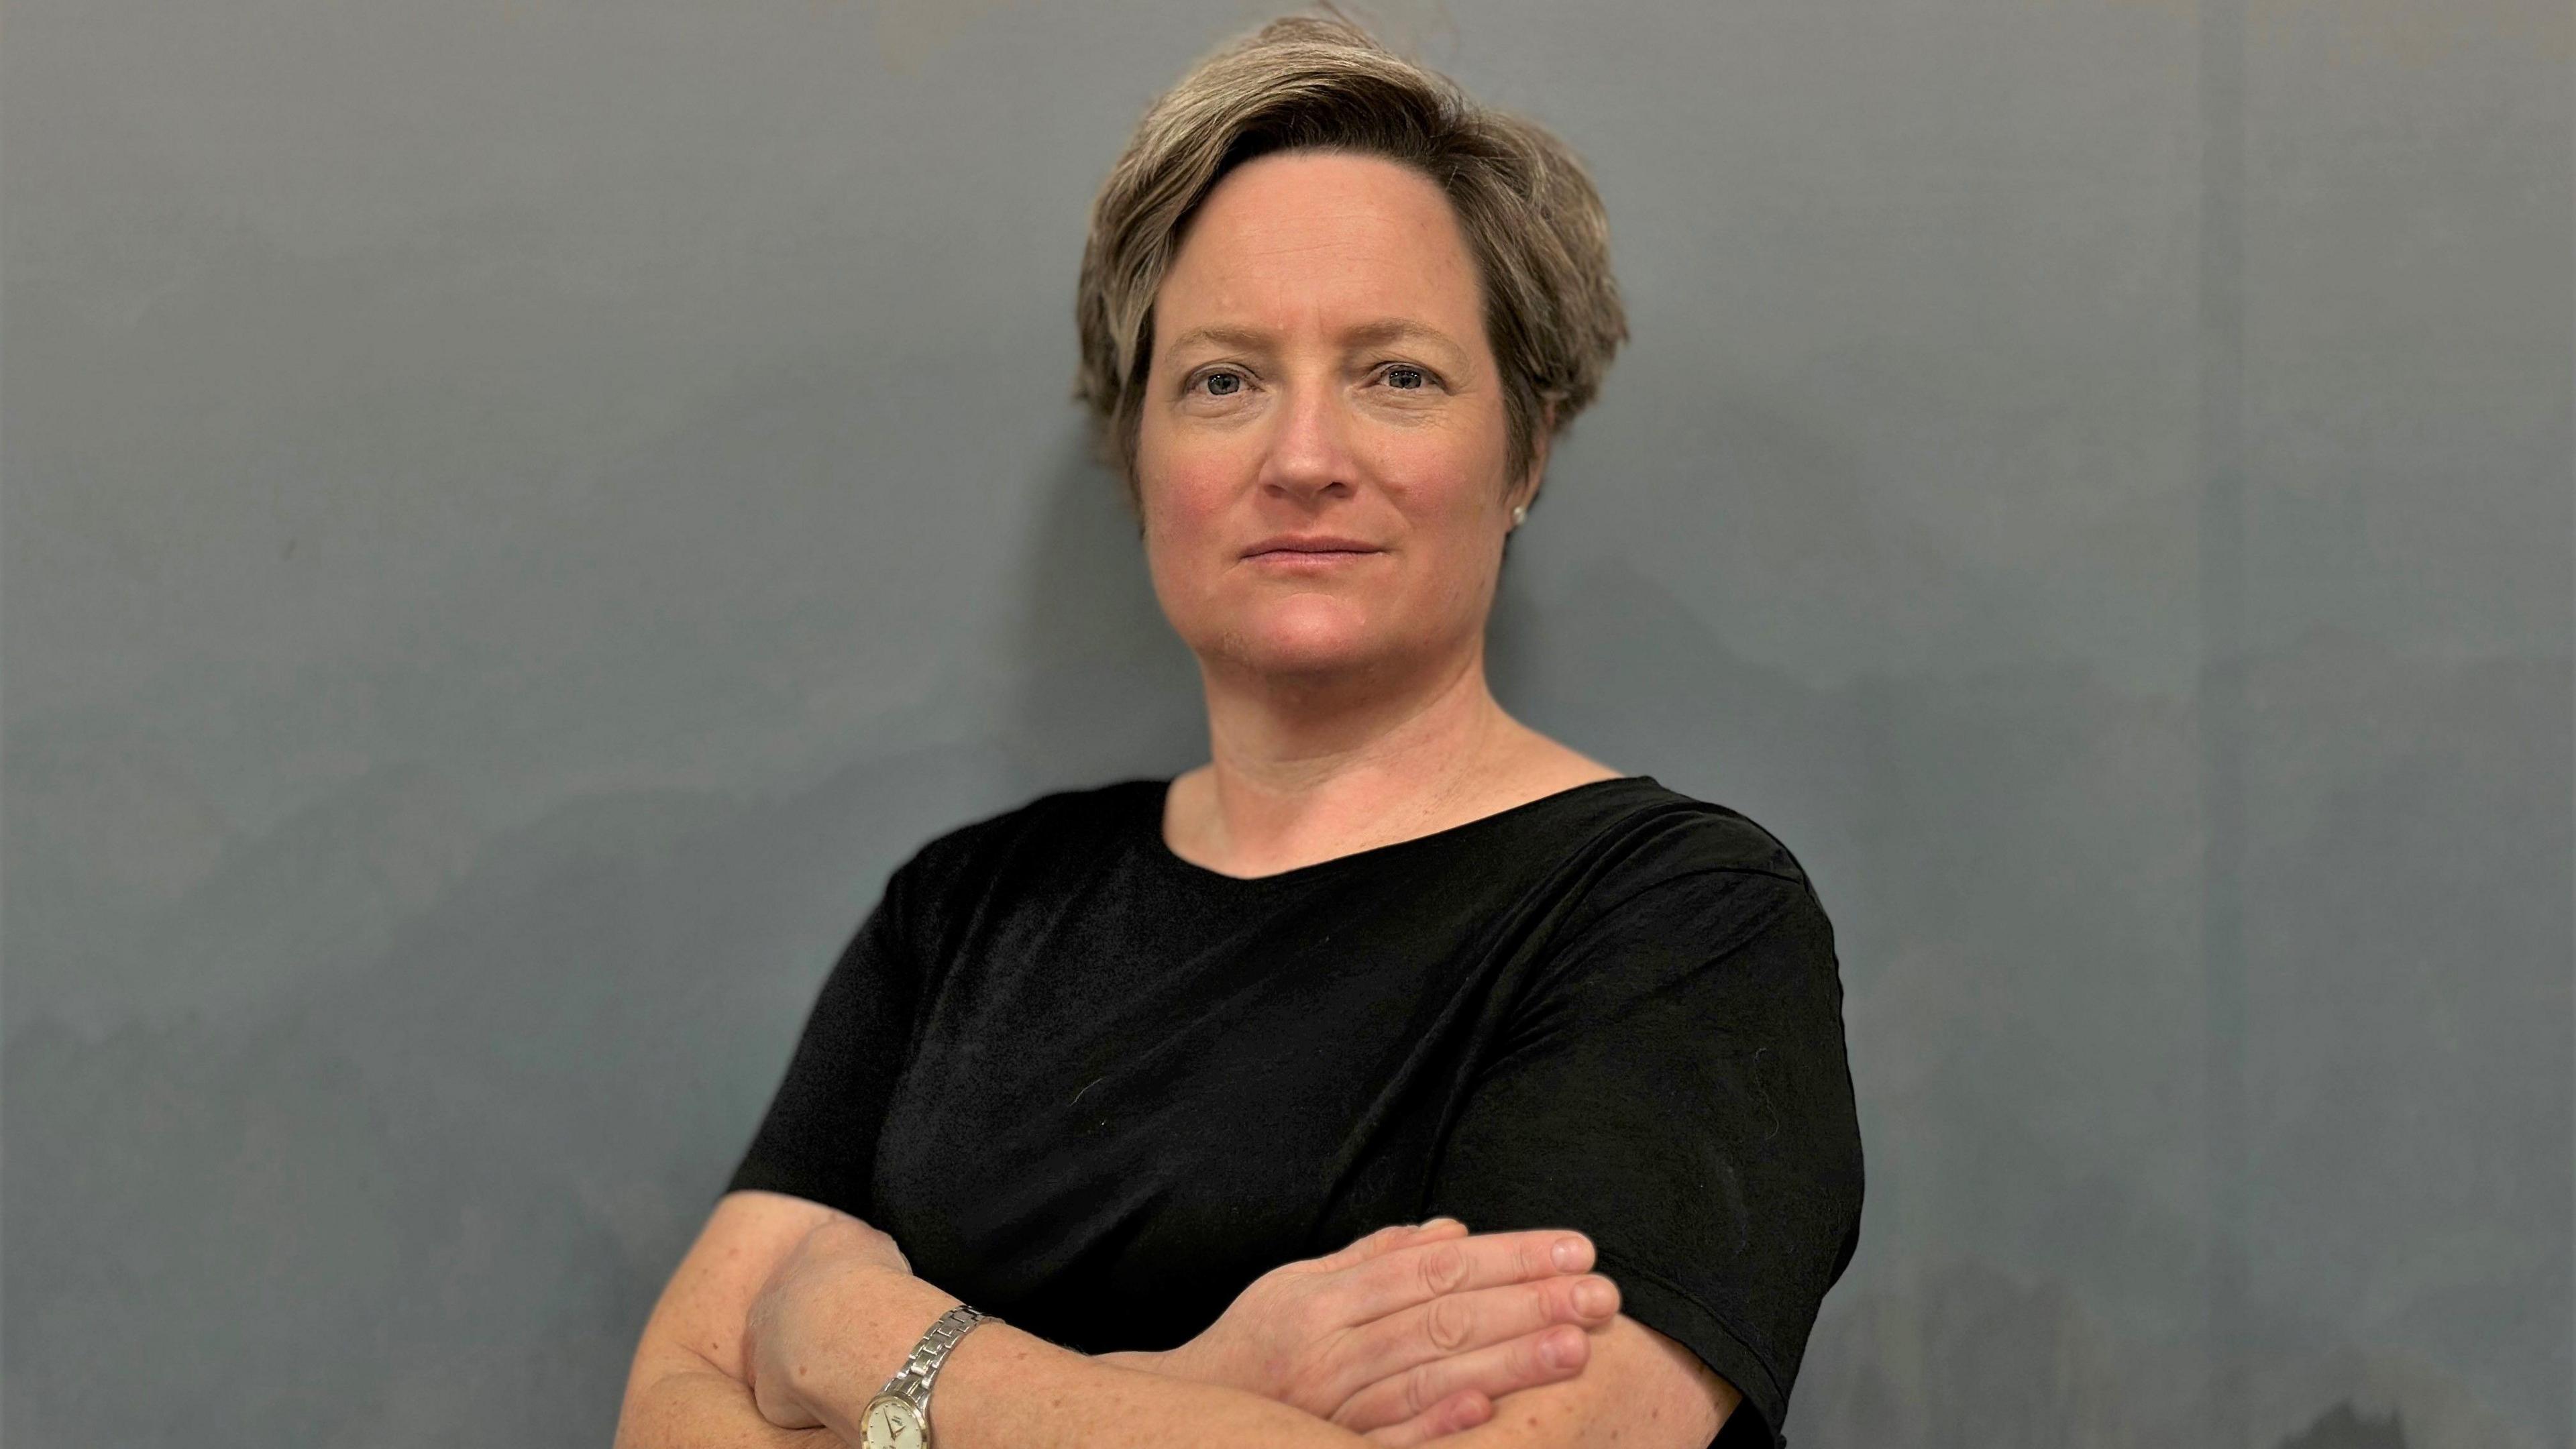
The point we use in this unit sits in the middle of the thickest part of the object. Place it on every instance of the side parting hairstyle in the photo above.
(1531, 217)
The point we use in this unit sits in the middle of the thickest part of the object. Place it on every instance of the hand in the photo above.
(778, 1334)
(1409, 1333)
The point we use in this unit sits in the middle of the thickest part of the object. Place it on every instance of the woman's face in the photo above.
(1321, 377)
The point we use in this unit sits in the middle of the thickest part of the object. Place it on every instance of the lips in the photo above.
(1310, 544)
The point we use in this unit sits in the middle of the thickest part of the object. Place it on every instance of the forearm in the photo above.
(706, 1409)
(1001, 1388)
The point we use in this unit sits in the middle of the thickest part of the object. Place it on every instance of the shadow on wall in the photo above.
(1102, 688)
(1978, 1358)
(2341, 1428)
(430, 1188)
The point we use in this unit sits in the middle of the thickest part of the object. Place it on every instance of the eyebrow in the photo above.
(1366, 334)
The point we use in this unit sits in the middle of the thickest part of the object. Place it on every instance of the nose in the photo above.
(1309, 457)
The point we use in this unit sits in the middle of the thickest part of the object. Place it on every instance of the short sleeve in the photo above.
(818, 1140)
(1674, 1085)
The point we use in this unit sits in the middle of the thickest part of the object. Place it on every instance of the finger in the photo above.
(1545, 1357)
(1388, 1239)
(1417, 1273)
(1451, 1415)
(1457, 1323)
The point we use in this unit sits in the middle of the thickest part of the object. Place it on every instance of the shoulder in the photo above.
(1650, 837)
(1667, 884)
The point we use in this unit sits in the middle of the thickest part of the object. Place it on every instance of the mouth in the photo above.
(1318, 549)
(1308, 560)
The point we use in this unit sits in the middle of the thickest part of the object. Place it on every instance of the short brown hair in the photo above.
(1530, 215)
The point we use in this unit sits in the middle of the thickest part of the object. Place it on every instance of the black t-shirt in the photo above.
(1096, 1090)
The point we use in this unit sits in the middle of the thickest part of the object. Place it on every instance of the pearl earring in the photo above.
(1520, 514)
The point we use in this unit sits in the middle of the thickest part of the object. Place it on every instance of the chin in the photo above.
(1307, 637)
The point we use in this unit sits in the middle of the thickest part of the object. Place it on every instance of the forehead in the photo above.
(1295, 240)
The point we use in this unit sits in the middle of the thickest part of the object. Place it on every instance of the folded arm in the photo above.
(1001, 1388)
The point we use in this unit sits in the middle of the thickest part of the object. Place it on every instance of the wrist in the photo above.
(1191, 1361)
(876, 1317)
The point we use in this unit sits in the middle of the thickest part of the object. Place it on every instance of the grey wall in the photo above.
(520, 512)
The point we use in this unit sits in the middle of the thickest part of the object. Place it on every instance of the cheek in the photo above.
(1187, 490)
(1183, 517)
(1451, 474)
(1179, 507)
(1449, 497)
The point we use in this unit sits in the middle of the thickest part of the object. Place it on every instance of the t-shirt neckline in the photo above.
(1155, 846)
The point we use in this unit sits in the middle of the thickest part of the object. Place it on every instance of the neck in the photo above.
(1303, 766)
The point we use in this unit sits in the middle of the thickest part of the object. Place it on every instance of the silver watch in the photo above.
(899, 1416)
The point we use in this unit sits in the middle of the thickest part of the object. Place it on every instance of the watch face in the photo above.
(890, 1423)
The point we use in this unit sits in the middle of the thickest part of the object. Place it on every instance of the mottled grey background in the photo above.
(520, 512)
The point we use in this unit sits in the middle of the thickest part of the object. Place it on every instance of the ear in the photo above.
(1526, 490)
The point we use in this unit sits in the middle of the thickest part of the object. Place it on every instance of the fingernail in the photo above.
(1558, 1348)
(1594, 1297)
(1573, 1254)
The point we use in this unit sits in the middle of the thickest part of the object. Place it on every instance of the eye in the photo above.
(1233, 383)
(1405, 377)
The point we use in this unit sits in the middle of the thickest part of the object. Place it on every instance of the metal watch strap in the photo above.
(921, 1366)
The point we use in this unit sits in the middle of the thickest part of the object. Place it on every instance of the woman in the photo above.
(1156, 1075)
